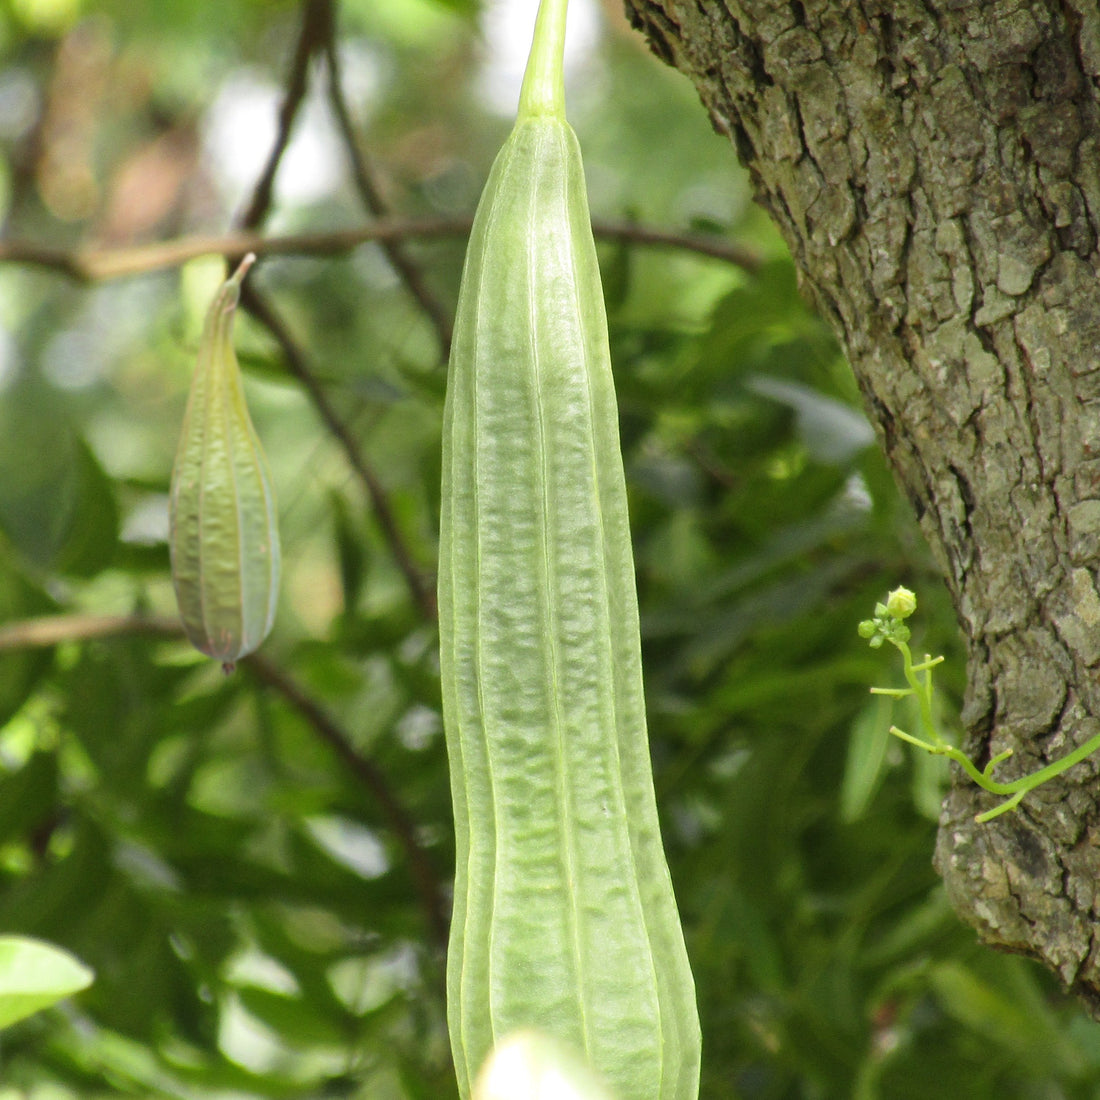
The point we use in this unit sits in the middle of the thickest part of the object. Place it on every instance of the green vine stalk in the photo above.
(888, 625)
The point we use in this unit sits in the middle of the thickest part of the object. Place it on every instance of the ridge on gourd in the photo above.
(223, 528)
(564, 917)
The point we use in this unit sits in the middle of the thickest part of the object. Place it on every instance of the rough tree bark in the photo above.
(935, 168)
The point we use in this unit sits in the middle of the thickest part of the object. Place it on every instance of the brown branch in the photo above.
(372, 778)
(371, 194)
(317, 24)
(318, 20)
(87, 264)
(422, 592)
(318, 28)
(51, 630)
(704, 244)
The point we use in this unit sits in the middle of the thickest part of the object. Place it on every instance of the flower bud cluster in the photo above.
(888, 624)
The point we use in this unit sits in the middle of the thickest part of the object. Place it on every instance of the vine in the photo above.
(888, 625)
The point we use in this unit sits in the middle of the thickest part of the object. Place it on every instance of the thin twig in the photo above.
(51, 630)
(318, 19)
(422, 591)
(371, 195)
(87, 264)
(371, 777)
(704, 244)
(317, 28)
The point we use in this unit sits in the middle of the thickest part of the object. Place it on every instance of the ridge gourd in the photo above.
(223, 527)
(564, 917)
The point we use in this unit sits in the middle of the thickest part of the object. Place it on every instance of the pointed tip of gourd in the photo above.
(230, 293)
(242, 268)
(543, 91)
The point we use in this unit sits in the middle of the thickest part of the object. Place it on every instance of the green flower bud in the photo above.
(901, 603)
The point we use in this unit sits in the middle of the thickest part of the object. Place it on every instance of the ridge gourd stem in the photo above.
(543, 90)
(1016, 788)
(922, 688)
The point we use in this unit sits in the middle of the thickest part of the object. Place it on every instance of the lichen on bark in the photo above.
(934, 166)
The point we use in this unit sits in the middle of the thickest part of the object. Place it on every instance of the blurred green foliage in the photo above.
(214, 848)
(34, 975)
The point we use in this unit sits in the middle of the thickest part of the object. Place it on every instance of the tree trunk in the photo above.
(935, 168)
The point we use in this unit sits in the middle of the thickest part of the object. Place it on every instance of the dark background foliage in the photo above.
(257, 866)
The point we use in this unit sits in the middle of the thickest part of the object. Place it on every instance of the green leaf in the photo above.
(27, 796)
(832, 431)
(35, 975)
(20, 670)
(296, 1019)
(867, 745)
(350, 550)
(59, 510)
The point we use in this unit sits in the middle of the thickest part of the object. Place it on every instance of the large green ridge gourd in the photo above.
(564, 916)
(224, 535)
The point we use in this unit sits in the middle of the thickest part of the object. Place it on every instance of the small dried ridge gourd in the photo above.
(564, 918)
(224, 538)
